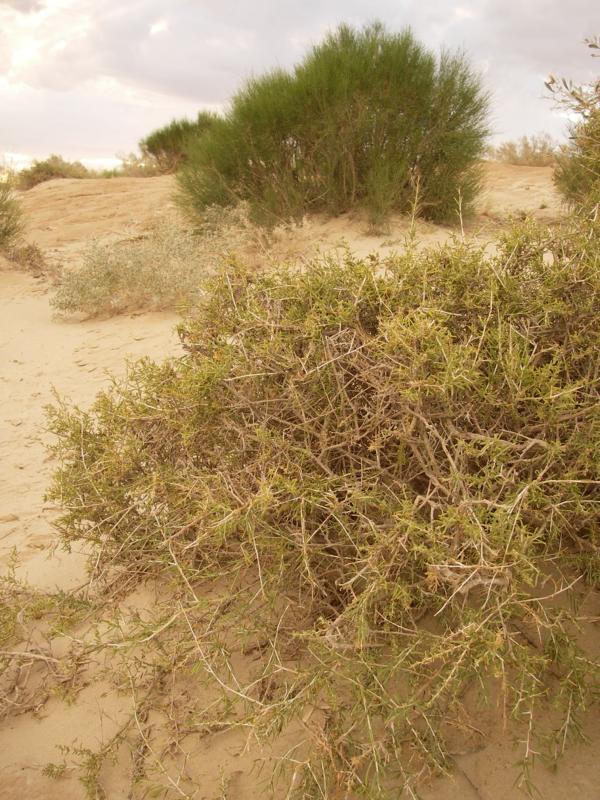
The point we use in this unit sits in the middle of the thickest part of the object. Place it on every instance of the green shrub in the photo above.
(167, 146)
(160, 270)
(10, 216)
(50, 168)
(577, 173)
(534, 151)
(384, 462)
(366, 118)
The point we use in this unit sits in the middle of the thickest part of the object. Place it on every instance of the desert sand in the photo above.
(41, 354)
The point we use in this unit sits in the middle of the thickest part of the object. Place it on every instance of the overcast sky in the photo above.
(88, 78)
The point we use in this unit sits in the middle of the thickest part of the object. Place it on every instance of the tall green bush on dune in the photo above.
(167, 146)
(369, 119)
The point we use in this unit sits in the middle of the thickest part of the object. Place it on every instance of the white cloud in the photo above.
(106, 70)
(460, 12)
(160, 26)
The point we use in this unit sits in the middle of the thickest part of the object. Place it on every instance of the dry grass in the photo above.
(162, 269)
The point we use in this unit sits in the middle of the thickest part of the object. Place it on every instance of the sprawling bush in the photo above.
(167, 147)
(10, 216)
(577, 173)
(528, 151)
(395, 465)
(368, 118)
(161, 269)
(49, 168)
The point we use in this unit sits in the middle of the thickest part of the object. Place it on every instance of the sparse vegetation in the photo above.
(49, 168)
(167, 147)
(160, 270)
(528, 151)
(392, 465)
(367, 119)
(132, 166)
(29, 257)
(577, 174)
(11, 218)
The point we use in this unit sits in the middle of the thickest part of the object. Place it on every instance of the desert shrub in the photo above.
(166, 147)
(528, 151)
(393, 465)
(137, 166)
(577, 173)
(368, 118)
(50, 168)
(10, 216)
(29, 257)
(132, 166)
(159, 270)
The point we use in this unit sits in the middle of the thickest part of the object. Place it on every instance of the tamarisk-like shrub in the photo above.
(11, 220)
(368, 119)
(49, 169)
(528, 151)
(393, 465)
(167, 146)
(577, 172)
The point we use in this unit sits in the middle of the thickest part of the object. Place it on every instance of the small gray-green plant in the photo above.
(162, 269)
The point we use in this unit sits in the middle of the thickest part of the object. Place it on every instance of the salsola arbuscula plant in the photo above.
(393, 466)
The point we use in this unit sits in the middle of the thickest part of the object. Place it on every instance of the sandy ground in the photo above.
(63, 216)
(40, 354)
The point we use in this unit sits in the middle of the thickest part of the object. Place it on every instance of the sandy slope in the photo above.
(39, 353)
(64, 215)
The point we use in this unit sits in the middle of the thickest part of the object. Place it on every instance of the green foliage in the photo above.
(167, 146)
(160, 270)
(386, 461)
(528, 151)
(366, 118)
(11, 222)
(577, 173)
(50, 168)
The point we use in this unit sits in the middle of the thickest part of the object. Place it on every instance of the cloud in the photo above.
(193, 54)
(160, 26)
(24, 6)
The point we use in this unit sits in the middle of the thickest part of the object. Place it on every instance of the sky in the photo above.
(89, 78)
